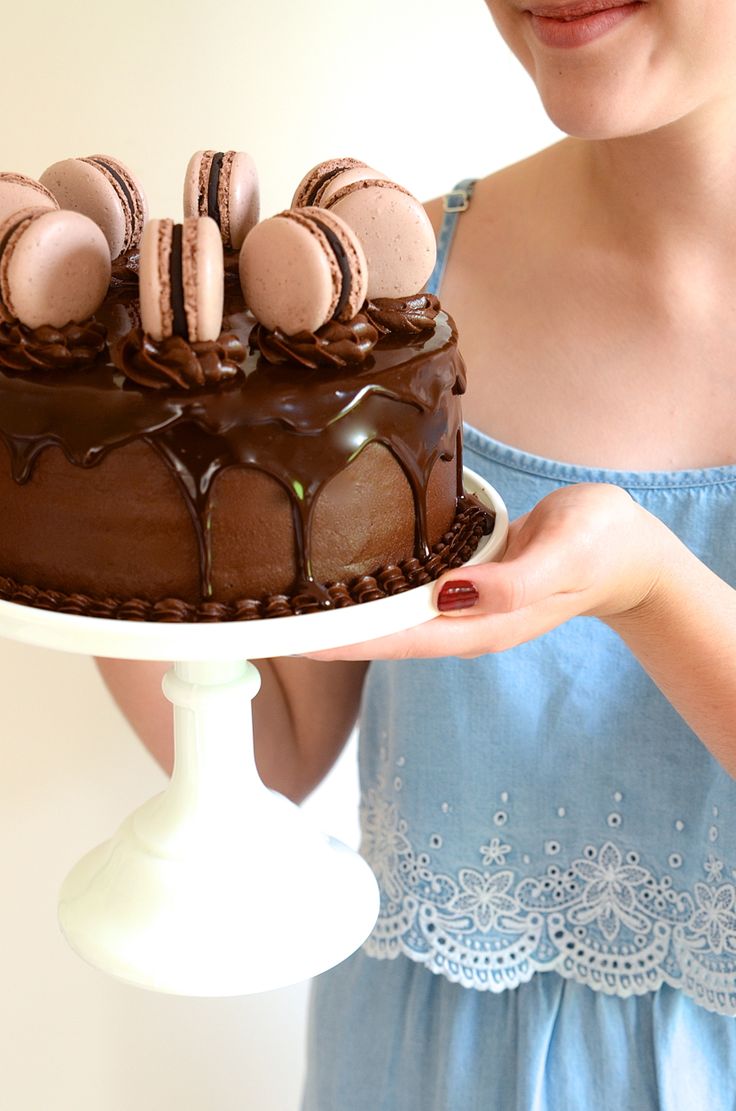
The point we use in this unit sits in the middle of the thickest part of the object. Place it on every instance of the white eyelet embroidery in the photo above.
(602, 919)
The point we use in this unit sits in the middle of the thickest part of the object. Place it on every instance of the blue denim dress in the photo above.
(556, 852)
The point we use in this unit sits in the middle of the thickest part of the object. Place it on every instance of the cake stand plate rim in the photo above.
(278, 636)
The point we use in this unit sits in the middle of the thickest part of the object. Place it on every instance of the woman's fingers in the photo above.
(583, 550)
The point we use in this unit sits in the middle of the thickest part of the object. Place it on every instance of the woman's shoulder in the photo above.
(506, 193)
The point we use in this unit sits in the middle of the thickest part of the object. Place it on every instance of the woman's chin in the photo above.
(596, 116)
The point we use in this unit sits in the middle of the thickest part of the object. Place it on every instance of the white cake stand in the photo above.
(219, 886)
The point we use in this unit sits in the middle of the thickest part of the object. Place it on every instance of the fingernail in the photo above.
(457, 595)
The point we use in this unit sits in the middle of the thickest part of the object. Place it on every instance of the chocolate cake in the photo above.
(254, 476)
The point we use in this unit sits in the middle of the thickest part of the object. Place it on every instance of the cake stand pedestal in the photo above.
(219, 886)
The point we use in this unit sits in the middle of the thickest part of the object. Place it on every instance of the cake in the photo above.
(254, 475)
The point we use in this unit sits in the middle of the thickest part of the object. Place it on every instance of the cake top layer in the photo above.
(99, 406)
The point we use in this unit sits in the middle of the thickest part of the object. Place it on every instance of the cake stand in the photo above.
(219, 886)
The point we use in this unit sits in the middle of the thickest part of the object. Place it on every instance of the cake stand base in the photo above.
(217, 886)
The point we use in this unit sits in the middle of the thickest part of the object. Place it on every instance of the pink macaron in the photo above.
(54, 267)
(317, 186)
(395, 232)
(224, 186)
(182, 280)
(18, 191)
(104, 189)
(302, 268)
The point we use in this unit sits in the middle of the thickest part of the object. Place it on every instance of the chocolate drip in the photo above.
(300, 426)
(459, 463)
(195, 458)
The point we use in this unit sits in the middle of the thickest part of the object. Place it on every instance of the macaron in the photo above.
(395, 233)
(54, 267)
(18, 191)
(223, 185)
(182, 281)
(320, 183)
(105, 190)
(302, 268)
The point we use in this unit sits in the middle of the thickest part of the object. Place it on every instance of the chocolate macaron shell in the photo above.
(351, 260)
(131, 194)
(181, 279)
(310, 188)
(395, 233)
(347, 177)
(289, 276)
(54, 267)
(302, 268)
(240, 197)
(154, 281)
(203, 276)
(196, 181)
(103, 189)
(224, 186)
(18, 191)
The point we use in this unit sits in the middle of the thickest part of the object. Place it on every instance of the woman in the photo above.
(551, 816)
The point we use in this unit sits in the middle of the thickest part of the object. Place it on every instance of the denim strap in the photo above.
(453, 204)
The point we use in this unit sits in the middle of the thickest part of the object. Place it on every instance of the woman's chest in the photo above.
(577, 378)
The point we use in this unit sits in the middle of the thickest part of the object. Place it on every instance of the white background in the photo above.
(424, 91)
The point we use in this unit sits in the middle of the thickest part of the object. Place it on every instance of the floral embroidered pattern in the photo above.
(494, 852)
(483, 896)
(610, 895)
(605, 919)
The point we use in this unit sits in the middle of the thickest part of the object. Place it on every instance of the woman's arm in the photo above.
(591, 550)
(684, 634)
(302, 715)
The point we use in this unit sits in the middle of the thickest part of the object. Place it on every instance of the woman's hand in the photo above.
(583, 550)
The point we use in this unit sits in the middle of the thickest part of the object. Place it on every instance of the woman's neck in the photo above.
(671, 189)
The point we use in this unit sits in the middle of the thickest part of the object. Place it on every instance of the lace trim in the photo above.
(605, 920)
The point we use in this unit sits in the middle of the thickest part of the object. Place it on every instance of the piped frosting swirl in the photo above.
(403, 316)
(334, 345)
(48, 348)
(177, 362)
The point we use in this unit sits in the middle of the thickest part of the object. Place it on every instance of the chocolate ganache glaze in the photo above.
(297, 426)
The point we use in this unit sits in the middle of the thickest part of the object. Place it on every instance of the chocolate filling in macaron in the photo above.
(121, 182)
(176, 276)
(320, 184)
(213, 185)
(342, 261)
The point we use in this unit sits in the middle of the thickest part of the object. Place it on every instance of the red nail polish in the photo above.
(457, 595)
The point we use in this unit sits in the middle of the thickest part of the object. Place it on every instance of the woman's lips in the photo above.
(576, 25)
